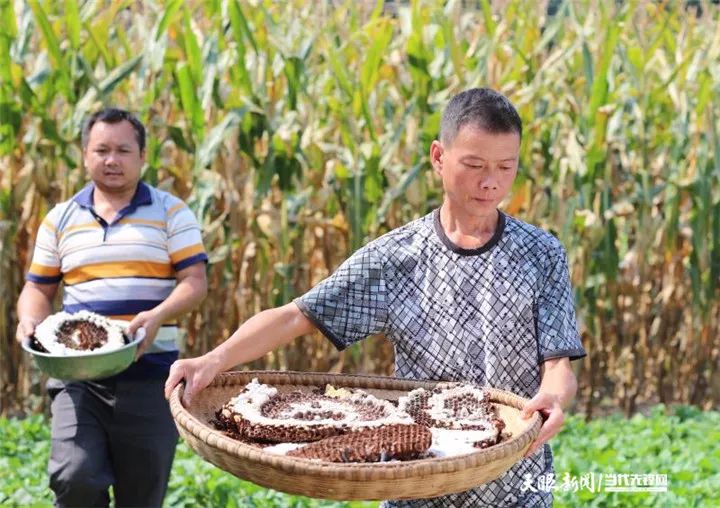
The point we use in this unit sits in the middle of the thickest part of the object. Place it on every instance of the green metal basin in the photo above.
(86, 366)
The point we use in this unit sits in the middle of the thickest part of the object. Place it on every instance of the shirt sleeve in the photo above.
(185, 245)
(557, 330)
(351, 304)
(45, 267)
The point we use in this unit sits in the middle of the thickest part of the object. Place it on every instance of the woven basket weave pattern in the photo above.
(368, 481)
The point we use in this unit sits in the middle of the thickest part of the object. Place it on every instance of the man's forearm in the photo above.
(261, 334)
(33, 304)
(185, 297)
(558, 379)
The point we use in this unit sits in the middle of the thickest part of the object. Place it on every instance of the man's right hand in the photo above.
(262, 333)
(197, 373)
(34, 305)
(25, 328)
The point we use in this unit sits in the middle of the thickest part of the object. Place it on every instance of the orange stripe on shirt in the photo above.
(130, 317)
(174, 209)
(87, 225)
(119, 269)
(186, 252)
(147, 222)
(44, 271)
(49, 225)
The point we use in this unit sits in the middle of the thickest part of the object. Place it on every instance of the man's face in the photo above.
(477, 169)
(113, 157)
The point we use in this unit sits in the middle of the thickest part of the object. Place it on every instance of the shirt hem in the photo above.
(319, 324)
(573, 354)
(193, 260)
(40, 279)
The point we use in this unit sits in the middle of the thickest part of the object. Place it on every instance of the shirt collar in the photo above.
(142, 196)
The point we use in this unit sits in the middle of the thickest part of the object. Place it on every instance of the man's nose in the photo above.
(111, 158)
(488, 183)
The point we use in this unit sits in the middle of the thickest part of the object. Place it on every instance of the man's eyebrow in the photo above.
(121, 145)
(478, 158)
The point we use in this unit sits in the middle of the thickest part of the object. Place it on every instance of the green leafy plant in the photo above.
(682, 442)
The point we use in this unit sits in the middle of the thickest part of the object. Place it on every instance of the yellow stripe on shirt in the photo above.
(119, 269)
(87, 225)
(49, 225)
(186, 252)
(174, 209)
(130, 317)
(44, 271)
(157, 223)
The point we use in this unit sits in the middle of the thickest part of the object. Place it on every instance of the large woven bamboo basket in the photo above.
(375, 481)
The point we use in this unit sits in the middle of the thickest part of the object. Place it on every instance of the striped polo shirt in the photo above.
(121, 268)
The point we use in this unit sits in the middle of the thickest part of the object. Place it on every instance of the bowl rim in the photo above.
(92, 354)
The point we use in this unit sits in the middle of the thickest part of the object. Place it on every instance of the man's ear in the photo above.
(436, 155)
(83, 157)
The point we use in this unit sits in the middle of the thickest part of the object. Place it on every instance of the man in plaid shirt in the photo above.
(466, 292)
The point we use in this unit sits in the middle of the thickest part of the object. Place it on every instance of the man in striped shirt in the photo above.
(131, 252)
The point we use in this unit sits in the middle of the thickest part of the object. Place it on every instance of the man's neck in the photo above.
(107, 204)
(468, 232)
(116, 200)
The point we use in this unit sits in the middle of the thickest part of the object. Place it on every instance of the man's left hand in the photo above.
(548, 405)
(151, 322)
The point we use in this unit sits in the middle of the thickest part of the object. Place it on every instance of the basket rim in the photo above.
(396, 470)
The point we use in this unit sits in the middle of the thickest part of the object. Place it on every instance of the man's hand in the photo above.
(25, 328)
(557, 389)
(551, 411)
(34, 305)
(191, 288)
(256, 337)
(151, 322)
(197, 373)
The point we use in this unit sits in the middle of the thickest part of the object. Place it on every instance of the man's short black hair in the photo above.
(114, 115)
(480, 107)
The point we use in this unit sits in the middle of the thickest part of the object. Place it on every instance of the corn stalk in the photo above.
(298, 131)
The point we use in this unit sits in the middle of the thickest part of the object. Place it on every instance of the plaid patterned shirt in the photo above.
(490, 315)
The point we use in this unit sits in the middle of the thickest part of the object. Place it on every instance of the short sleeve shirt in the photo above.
(490, 315)
(122, 268)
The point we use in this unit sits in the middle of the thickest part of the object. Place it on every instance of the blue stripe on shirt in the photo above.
(197, 258)
(43, 280)
(113, 307)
